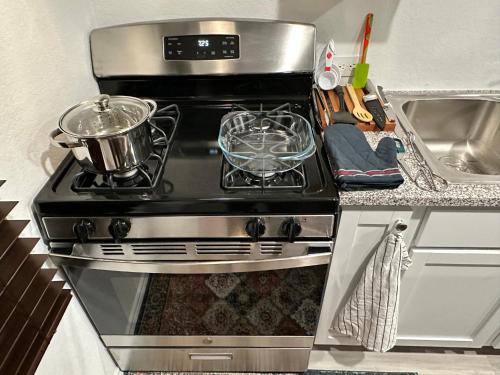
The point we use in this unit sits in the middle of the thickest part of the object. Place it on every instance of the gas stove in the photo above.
(187, 215)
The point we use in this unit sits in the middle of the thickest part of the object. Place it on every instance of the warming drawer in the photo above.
(216, 359)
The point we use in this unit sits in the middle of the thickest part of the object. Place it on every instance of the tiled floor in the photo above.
(311, 372)
(205, 373)
(448, 363)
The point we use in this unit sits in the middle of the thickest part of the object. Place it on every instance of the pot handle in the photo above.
(59, 143)
(153, 106)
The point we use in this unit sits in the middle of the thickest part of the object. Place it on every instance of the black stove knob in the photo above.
(291, 228)
(84, 229)
(119, 229)
(255, 228)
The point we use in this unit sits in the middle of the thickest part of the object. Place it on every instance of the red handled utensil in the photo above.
(361, 69)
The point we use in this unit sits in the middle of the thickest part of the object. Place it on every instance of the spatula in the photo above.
(361, 69)
(359, 112)
(342, 116)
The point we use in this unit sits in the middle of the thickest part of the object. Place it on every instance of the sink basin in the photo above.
(458, 135)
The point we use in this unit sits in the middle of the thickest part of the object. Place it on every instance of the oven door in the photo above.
(219, 315)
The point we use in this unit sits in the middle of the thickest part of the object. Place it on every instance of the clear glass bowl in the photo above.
(266, 143)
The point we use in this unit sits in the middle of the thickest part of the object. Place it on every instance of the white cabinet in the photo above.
(360, 232)
(460, 228)
(496, 342)
(450, 296)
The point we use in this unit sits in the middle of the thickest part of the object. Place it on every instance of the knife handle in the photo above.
(340, 93)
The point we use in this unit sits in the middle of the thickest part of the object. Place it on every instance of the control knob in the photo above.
(119, 229)
(255, 228)
(83, 230)
(291, 228)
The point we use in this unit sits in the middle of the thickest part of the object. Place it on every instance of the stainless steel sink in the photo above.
(458, 135)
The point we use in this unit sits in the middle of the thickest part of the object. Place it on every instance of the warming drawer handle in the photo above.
(192, 267)
(211, 356)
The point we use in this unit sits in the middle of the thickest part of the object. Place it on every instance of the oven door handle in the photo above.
(192, 267)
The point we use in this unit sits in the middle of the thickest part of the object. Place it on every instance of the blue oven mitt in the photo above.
(355, 165)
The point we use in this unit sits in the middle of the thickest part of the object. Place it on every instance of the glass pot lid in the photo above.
(104, 116)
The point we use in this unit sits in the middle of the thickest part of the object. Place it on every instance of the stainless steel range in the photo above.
(212, 254)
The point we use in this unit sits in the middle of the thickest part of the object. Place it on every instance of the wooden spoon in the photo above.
(359, 112)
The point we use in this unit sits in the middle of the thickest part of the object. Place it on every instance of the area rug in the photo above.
(322, 372)
(265, 303)
(309, 372)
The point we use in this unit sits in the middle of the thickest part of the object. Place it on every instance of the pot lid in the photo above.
(104, 116)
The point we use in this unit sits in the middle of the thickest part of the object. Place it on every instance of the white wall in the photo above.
(425, 44)
(44, 68)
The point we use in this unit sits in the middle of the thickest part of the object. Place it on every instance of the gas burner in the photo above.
(263, 176)
(136, 178)
(126, 175)
(237, 179)
(145, 176)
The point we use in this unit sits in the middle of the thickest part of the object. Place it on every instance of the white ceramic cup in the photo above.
(327, 74)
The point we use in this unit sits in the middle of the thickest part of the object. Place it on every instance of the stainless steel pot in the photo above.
(108, 134)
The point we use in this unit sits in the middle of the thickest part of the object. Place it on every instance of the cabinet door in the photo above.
(450, 297)
(496, 342)
(360, 232)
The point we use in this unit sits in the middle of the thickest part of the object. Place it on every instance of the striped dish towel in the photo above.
(370, 314)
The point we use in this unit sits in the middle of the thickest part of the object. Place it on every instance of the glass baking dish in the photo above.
(265, 143)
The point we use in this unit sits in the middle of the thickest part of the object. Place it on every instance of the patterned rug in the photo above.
(309, 372)
(321, 372)
(270, 303)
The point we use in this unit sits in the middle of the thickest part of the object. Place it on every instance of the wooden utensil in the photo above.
(323, 116)
(326, 108)
(358, 111)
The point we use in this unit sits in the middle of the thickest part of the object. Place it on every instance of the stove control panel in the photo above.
(201, 47)
(198, 47)
(257, 228)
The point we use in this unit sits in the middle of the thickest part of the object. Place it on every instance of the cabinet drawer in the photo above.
(214, 359)
(464, 228)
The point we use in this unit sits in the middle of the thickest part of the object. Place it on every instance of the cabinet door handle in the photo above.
(400, 225)
(211, 356)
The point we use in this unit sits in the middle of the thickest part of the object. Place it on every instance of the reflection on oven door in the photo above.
(270, 303)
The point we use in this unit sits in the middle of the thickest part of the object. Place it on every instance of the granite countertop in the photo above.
(409, 194)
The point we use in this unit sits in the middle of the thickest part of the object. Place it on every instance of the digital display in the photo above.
(201, 47)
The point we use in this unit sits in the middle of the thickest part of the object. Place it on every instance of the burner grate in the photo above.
(287, 107)
(146, 176)
(234, 178)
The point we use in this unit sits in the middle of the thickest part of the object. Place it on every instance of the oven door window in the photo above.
(271, 303)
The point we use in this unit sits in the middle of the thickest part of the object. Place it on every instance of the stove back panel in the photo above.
(184, 48)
